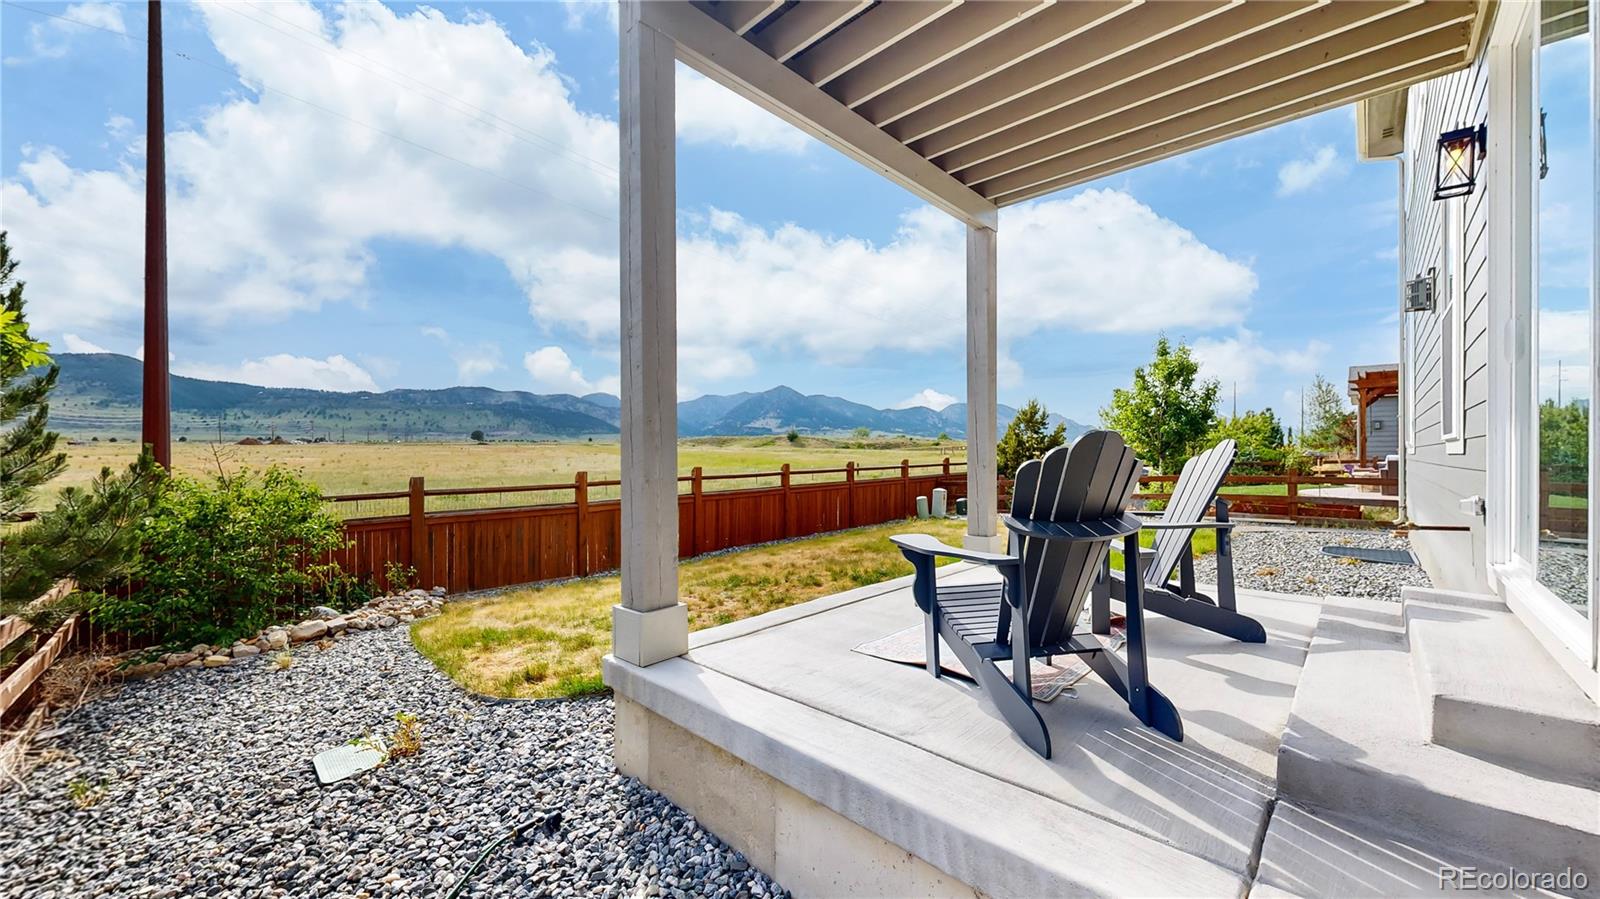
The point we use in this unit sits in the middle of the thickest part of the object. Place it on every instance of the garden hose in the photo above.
(546, 821)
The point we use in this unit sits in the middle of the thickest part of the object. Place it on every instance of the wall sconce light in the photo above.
(1459, 153)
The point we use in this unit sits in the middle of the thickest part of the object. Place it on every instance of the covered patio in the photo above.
(839, 773)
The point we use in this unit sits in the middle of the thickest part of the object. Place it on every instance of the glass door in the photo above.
(1563, 299)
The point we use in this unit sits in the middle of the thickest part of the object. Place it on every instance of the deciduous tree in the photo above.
(1168, 411)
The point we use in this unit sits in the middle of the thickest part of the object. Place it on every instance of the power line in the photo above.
(265, 88)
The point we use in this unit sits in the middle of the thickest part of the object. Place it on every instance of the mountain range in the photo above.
(99, 395)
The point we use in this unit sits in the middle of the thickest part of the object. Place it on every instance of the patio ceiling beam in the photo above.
(1164, 146)
(1321, 65)
(874, 32)
(804, 25)
(740, 66)
(940, 40)
(741, 15)
(1214, 48)
(1144, 25)
(1055, 25)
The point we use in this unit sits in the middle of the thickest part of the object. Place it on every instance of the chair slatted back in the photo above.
(1192, 494)
(1091, 480)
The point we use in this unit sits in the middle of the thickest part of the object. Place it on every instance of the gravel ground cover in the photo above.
(1289, 559)
(199, 783)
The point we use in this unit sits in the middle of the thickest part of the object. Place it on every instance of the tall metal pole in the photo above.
(157, 415)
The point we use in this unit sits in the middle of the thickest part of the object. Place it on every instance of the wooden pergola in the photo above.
(1366, 388)
(972, 107)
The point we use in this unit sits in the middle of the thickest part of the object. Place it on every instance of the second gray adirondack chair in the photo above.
(1194, 493)
(1066, 510)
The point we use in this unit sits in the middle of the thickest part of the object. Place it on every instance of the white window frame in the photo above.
(1453, 415)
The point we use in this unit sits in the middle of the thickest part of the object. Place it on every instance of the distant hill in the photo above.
(99, 395)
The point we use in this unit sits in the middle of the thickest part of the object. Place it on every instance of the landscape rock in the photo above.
(337, 625)
(217, 661)
(138, 672)
(324, 612)
(180, 659)
(245, 817)
(308, 630)
(277, 639)
(245, 650)
(439, 591)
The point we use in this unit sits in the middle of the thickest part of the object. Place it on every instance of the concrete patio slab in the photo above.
(928, 766)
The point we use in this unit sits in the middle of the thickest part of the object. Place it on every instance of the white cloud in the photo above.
(553, 371)
(1299, 175)
(1563, 354)
(76, 344)
(251, 239)
(1243, 359)
(579, 12)
(284, 370)
(473, 360)
(709, 113)
(52, 38)
(1099, 261)
(926, 397)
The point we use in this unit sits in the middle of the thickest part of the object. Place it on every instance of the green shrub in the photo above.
(221, 558)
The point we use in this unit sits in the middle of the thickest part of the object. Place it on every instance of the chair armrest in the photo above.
(1074, 531)
(1201, 525)
(926, 545)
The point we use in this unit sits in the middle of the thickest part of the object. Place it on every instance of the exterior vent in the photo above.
(1419, 293)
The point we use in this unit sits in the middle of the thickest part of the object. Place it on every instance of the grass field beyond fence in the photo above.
(547, 641)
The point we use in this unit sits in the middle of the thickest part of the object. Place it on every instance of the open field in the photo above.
(547, 641)
(371, 467)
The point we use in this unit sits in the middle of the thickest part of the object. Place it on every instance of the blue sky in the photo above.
(374, 196)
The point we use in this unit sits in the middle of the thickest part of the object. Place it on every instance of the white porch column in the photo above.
(650, 625)
(982, 349)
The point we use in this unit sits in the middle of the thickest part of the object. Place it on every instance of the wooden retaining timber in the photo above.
(19, 683)
(478, 549)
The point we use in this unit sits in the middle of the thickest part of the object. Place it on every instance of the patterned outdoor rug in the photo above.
(1049, 681)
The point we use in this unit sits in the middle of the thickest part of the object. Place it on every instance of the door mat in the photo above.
(1380, 556)
(905, 647)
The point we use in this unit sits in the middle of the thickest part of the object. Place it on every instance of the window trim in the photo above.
(1453, 418)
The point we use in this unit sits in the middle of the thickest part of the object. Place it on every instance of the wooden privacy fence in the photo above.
(1293, 504)
(1566, 519)
(478, 549)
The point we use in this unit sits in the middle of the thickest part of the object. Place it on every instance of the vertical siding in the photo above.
(1383, 427)
(1437, 480)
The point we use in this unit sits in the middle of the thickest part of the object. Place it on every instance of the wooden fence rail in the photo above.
(1570, 519)
(477, 549)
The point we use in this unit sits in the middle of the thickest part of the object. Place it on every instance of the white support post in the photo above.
(650, 625)
(982, 351)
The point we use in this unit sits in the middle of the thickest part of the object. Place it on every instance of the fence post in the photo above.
(1293, 493)
(905, 486)
(788, 503)
(580, 535)
(849, 494)
(1545, 522)
(419, 535)
(695, 543)
(947, 466)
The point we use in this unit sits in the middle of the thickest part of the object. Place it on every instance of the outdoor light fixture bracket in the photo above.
(1459, 153)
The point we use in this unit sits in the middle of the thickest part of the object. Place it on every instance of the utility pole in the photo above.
(1302, 413)
(1558, 383)
(1235, 399)
(156, 417)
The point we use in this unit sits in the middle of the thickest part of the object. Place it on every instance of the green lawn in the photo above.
(548, 641)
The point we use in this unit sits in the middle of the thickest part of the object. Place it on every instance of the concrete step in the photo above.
(1356, 746)
(1309, 853)
(1488, 688)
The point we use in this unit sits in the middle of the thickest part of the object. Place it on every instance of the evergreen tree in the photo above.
(28, 455)
(1169, 410)
(1029, 436)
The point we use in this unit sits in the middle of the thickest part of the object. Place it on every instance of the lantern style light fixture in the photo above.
(1459, 153)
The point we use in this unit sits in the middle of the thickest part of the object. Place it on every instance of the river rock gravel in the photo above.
(1289, 559)
(199, 783)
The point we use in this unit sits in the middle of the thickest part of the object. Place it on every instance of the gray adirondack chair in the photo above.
(1066, 510)
(1194, 492)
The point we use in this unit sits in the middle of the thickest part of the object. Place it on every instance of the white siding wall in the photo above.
(1437, 479)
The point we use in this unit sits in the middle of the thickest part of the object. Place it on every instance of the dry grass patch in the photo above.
(548, 641)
